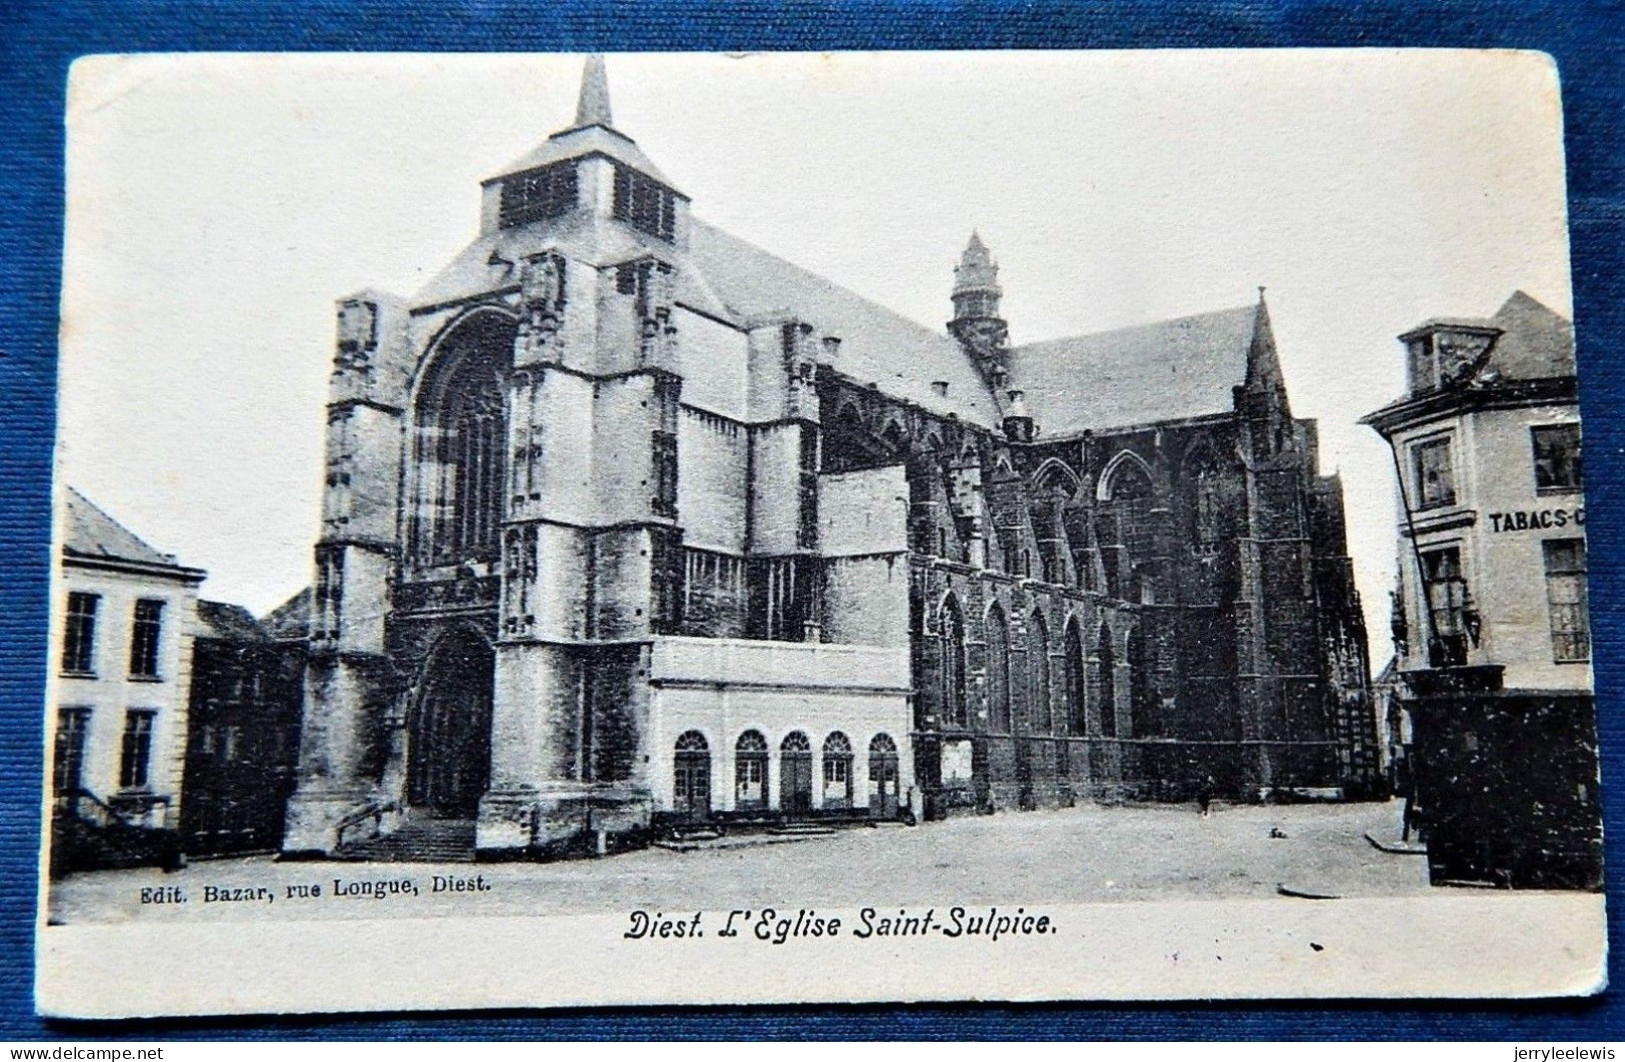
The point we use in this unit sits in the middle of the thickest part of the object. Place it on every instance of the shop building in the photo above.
(1491, 630)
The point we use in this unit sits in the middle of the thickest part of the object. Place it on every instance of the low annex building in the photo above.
(629, 523)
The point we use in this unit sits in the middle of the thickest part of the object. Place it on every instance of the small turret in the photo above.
(977, 324)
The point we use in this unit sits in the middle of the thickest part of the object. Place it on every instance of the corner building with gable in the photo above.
(630, 524)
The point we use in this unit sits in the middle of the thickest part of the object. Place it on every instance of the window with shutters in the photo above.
(544, 193)
(645, 204)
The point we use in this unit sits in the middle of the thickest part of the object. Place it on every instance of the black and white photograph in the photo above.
(794, 527)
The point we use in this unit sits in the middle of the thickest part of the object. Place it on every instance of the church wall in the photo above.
(561, 580)
(565, 410)
(616, 339)
(863, 531)
(364, 600)
(622, 420)
(711, 480)
(766, 384)
(620, 569)
(533, 717)
(775, 488)
(713, 360)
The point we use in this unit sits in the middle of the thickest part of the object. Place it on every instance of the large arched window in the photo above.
(998, 671)
(1053, 488)
(460, 442)
(1076, 680)
(1108, 683)
(1123, 523)
(951, 644)
(1210, 497)
(1038, 702)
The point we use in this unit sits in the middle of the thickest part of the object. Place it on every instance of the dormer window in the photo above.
(1443, 355)
(1424, 368)
(645, 204)
(544, 193)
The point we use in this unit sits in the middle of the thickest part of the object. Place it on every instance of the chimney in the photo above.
(1018, 425)
(832, 349)
(940, 388)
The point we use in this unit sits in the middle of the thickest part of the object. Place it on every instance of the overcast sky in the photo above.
(218, 205)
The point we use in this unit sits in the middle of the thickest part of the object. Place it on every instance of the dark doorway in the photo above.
(884, 795)
(691, 777)
(450, 759)
(795, 774)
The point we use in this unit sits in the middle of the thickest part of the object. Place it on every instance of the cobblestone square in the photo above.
(1077, 855)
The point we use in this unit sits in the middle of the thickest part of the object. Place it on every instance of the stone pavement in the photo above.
(1078, 855)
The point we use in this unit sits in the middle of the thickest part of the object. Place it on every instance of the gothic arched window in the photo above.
(1142, 694)
(1209, 499)
(1123, 523)
(460, 442)
(998, 671)
(1076, 681)
(951, 644)
(1052, 489)
(1038, 703)
(1108, 683)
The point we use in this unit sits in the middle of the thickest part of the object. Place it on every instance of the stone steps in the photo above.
(423, 840)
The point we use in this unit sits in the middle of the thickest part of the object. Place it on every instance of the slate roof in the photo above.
(289, 620)
(1537, 342)
(231, 623)
(880, 346)
(88, 532)
(1169, 370)
(578, 235)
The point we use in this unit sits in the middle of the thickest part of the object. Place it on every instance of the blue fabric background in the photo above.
(37, 42)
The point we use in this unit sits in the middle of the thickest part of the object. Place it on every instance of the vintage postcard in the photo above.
(546, 530)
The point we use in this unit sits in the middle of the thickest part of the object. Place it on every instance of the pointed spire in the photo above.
(1263, 364)
(976, 270)
(593, 106)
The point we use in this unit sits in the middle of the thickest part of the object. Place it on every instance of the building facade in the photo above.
(629, 523)
(123, 657)
(244, 708)
(1491, 630)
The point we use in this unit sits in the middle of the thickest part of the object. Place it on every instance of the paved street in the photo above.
(1080, 855)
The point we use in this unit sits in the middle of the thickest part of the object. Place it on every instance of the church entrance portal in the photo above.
(450, 758)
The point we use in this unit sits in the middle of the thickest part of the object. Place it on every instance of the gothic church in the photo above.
(629, 524)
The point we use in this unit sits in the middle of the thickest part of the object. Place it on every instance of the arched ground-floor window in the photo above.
(750, 771)
(837, 771)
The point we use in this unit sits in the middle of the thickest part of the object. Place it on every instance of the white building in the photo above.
(122, 633)
(1492, 515)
